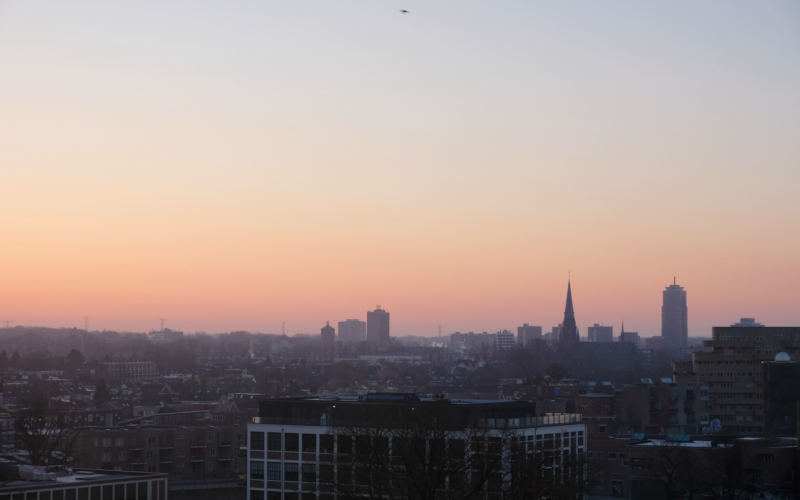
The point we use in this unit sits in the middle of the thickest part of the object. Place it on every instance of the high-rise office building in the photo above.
(569, 328)
(598, 333)
(352, 330)
(378, 326)
(674, 316)
(328, 336)
(527, 334)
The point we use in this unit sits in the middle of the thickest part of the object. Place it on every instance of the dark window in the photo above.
(257, 441)
(362, 475)
(345, 445)
(326, 443)
(273, 495)
(274, 441)
(72, 494)
(273, 471)
(309, 473)
(292, 442)
(399, 446)
(44, 495)
(362, 446)
(256, 495)
(309, 443)
(142, 491)
(290, 496)
(59, 495)
(119, 491)
(345, 475)
(95, 493)
(308, 496)
(495, 482)
(457, 448)
(381, 445)
(83, 493)
(326, 474)
(256, 469)
(131, 493)
(290, 472)
(108, 492)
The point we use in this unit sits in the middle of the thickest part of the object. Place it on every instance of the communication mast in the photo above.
(440, 331)
(162, 324)
(283, 328)
(86, 323)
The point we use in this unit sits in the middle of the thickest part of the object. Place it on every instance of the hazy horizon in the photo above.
(234, 166)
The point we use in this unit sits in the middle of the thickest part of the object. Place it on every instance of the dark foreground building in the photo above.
(310, 448)
(62, 483)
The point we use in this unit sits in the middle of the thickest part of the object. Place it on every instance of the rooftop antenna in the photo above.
(283, 328)
(86, 323)
(162, 324)
(440, 331)
(674, 282)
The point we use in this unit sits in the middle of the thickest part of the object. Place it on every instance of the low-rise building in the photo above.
(61, 482)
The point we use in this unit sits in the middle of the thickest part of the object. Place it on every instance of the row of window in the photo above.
(276, 441)
(735, 407)
(291, 471)
(727, 362)
(290, 441)
(734, 395)
(277, 495)
(125, 491)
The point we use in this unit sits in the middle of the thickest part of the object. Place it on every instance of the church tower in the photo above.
(569, 330)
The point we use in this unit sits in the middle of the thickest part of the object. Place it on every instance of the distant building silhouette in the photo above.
(504, 340)
(553, 335)
(527, 334)
(378, 326)
(747, 322)
(328, 335)
(569, 328)
(632, 337)
(599, 333)
(674, 316)
(352, 330)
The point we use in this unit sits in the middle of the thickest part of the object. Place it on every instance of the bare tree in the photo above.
(432, 454)
(730, 463)
(44, 434)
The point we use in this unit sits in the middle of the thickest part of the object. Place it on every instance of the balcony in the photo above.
(224, 444)
(165, 461)
(136, 448)
(197, 459)
(197, 445)
(166, 446)
(225, 458)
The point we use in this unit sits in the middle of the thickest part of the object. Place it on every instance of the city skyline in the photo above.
(424, 331)
(234, 168)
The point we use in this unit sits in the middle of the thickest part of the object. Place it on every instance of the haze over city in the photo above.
(233, 167)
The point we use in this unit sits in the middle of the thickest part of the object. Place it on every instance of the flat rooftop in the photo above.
(79, 477)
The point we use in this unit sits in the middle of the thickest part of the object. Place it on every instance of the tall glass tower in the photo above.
(674, 316)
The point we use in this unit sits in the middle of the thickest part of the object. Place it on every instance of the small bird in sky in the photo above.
(404, 12)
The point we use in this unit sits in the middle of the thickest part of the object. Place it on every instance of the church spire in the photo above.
(569, 329)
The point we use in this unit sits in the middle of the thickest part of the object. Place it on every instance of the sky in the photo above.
(242, 164)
